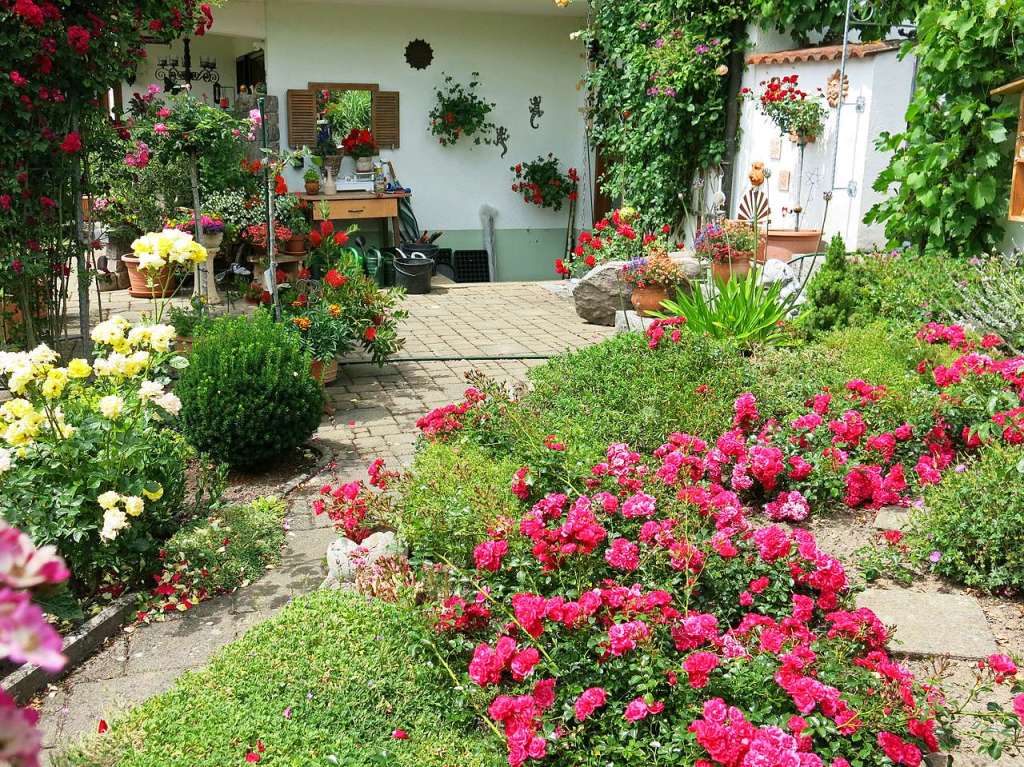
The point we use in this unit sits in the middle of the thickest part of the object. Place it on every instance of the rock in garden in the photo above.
(630, 322)
(690, 265)
(345, 556)
(601, 293)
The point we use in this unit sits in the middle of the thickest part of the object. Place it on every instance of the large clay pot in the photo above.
(324, 374)
(364, 164)
(784, 244)
(296, 246)
(648, 300)
(738, 267)
(164, 282)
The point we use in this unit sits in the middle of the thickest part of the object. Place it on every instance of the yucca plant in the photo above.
(741, 309)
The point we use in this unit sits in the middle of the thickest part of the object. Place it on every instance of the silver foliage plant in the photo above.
(992, 301)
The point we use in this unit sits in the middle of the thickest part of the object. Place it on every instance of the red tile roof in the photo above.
(823, 53)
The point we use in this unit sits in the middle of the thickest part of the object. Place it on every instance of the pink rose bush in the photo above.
(613, 622)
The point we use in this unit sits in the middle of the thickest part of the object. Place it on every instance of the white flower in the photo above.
(112, 406)
(114, 521)
(109, 500)
(5, 460)
(42, 355)
(150, 390)
(168, 402)
(161, 337)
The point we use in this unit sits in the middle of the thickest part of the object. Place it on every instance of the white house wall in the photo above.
(884, 84)
(517, 56)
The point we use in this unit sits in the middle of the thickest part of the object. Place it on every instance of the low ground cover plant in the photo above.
(336, 678)
(230, 548)
(247, 395)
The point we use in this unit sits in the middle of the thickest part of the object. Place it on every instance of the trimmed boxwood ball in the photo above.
(247, 395)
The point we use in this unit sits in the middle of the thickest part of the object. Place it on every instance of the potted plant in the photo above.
(292, 213)
(213, 228)
(256, 236)
(793, 110)
(361, 145)
(729, 246)
(802, 116)
(615, 238)
(186, 320)
(461, 111)
(654, 280)
(156, 262)
(540, 182)
(312, 180)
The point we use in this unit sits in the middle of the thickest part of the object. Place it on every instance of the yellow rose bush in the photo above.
(87, 461)
(162, 256)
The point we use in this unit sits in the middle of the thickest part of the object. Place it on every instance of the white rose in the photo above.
(109, 500)
(114, 521)
(169, 402)
(5, 460)
(150, 390)
(112, 406)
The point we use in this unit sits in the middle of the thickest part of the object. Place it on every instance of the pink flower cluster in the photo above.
(445, 420)
(25, 634)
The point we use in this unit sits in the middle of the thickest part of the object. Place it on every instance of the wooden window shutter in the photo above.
(386, 119)
(301, 119)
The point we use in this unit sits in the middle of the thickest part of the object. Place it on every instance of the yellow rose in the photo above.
(79, 368)
(111, 406)
(134, 505)
(154, 495)
(109, 500)
(55, 382)
(16, 408)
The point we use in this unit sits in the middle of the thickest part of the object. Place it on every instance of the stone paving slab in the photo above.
(892, 518)
(930, 624)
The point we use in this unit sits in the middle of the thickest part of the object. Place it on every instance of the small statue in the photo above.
(756, 175)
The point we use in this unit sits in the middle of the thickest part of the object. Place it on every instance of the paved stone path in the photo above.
(376, 410)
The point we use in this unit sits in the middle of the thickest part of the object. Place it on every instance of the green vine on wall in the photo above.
(658, 90)
(948, 176)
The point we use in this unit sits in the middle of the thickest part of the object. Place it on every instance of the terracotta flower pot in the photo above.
(324, 374)
(296, 246)
(164, 281)
(783, 244)
(797, 138)
(738, 267)
(312, 187)
(648, 300)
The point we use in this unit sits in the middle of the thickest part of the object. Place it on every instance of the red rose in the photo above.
(72, 143)
(78, 39)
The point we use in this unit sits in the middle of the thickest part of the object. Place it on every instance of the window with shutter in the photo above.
(301, 119)
(386, 119)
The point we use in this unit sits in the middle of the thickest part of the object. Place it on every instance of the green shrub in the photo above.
(832, 293)
(247, 395)
(783, 379)
(451, 496)
(975, 520)
(621, 391)
(334, 674)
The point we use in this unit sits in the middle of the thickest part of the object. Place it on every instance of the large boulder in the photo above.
(600, 294)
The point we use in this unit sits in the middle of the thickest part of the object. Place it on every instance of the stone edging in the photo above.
(25, 681)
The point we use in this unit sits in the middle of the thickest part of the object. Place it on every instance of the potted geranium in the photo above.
(256, 236)
(654, 280)
(361, 145)
(793, 110)
(801, 115)
(540, 182)
(461, 111)
(615, 238)
(729, 246)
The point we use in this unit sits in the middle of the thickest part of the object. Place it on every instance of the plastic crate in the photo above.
(471, 266)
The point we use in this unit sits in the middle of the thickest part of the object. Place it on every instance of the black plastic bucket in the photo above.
(413, 273)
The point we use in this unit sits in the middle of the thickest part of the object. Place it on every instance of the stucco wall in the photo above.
(884, 82)
(517, 56)
(220, 47)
